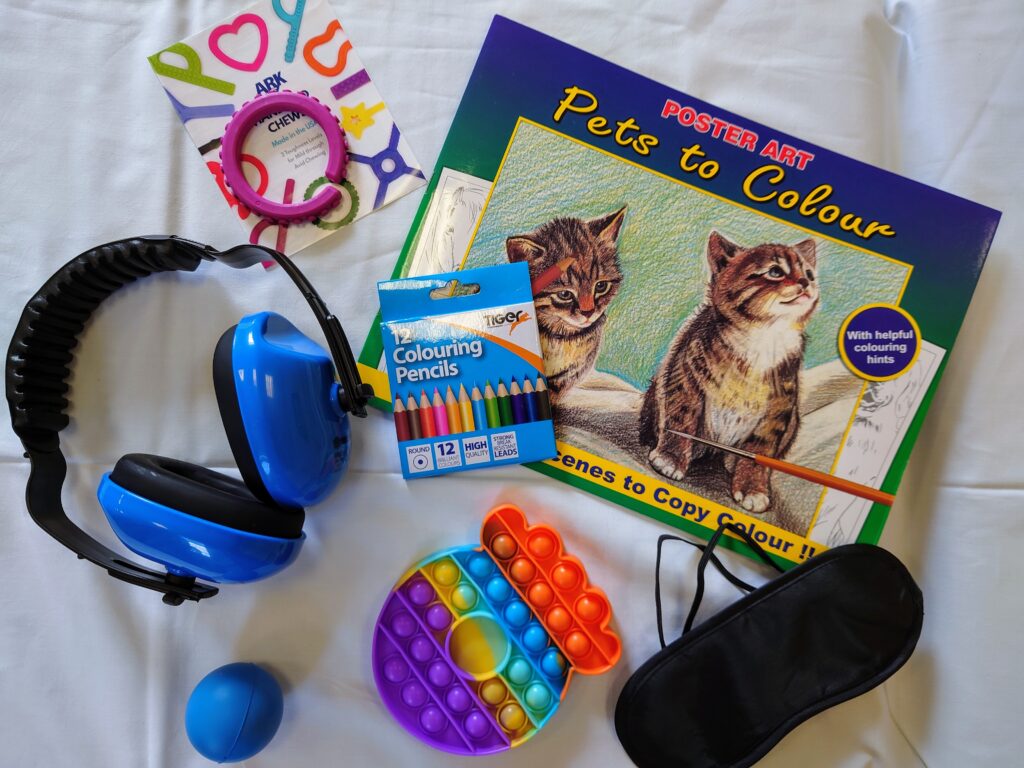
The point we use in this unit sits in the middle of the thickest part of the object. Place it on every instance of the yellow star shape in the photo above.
(357, 119)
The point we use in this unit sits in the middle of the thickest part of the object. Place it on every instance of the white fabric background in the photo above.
(96, 673)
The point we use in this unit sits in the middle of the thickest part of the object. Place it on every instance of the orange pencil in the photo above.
(466, 409)
(451, 405)
(804, 473)
(426, 417)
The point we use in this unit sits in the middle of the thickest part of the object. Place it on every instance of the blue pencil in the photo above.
(519, 415)
(530, 398)
(479, 408)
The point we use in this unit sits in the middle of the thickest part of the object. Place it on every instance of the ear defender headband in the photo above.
(196, 522)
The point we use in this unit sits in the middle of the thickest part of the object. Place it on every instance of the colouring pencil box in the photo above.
(728, 691)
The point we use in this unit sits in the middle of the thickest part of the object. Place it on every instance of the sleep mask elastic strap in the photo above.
(707, 555)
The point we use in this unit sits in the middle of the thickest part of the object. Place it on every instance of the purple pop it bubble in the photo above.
(439, 674)
(414, 694)
(438, 617)
(420, 592)
(403, 624)
(476, 725)
(457, 699)
(421, 649)
(396, 670)
(432, 719)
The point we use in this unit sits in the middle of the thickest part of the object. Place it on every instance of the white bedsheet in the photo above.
(95, 673)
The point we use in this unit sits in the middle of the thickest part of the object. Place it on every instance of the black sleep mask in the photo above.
(727, 692)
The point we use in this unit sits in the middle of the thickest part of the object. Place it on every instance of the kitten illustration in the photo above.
(731, 373)
(571, 311)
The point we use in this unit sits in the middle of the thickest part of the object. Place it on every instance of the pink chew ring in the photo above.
(246, 118)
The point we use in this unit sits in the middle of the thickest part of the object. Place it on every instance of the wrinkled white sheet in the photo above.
(95, 673)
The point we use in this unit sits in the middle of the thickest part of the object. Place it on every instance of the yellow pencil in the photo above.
(454, 419)
(466, 409)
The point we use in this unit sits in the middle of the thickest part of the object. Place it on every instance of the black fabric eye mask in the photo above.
(726, 692)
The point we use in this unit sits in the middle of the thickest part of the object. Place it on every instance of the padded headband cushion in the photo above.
(205, 494)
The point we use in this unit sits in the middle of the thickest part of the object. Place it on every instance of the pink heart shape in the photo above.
(233, 29)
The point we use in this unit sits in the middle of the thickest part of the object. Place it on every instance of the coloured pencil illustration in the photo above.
(882, 420)
(453, 215)
(684, 313)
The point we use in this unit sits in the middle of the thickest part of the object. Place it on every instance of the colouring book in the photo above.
(303, 48)
(720, 280)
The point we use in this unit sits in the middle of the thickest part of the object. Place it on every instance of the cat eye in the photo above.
(810, 275)
(775, 273)
(565, 296)
(601, 287)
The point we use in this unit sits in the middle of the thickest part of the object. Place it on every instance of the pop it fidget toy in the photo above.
(475, 647)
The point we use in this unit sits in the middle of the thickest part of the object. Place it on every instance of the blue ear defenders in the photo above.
(285, 415)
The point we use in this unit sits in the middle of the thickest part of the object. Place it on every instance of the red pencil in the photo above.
(401, 421)
(426, 416)
(549, 275)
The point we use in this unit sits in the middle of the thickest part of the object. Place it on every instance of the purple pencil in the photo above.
(519, 413)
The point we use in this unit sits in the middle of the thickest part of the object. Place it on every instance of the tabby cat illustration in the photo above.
(571, 311)
(731, 373)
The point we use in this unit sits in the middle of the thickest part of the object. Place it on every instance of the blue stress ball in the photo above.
(234, 712)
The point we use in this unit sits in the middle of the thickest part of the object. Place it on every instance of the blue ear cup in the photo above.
(196, 522)
(278, 401)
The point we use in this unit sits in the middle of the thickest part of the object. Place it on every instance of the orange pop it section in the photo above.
(555, 585)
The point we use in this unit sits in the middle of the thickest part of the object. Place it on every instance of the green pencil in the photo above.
(505, 405)
(491, 405)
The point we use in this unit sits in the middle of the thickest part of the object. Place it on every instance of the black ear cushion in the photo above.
(231, 416)
(205, 494)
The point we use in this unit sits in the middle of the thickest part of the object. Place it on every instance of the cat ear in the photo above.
(808, 251)
(522, 248)
(720, 250)
(607, 227)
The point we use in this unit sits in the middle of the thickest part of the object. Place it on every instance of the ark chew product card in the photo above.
(265, 48)
(719, 280)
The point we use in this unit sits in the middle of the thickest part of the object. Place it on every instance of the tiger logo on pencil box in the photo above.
(571, 311)
(731, 373)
